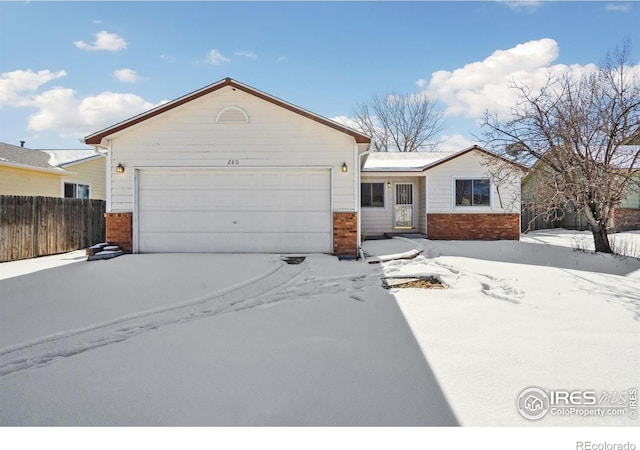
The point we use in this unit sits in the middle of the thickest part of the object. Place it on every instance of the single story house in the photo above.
(229, 168)
(52, 173)
(443, 195)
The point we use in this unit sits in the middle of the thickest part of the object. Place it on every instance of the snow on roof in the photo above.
(625, 157)
(410, 161)
(61, 158)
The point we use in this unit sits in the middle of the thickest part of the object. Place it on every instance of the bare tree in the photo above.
(575, 129)
(400, 122)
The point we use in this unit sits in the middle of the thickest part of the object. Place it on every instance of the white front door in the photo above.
(403, 205)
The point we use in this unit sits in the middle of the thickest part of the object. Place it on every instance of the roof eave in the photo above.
(83, 160)
(52, 170)
(392, 170)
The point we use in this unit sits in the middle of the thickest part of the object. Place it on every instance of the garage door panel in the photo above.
(227, 243)
(233, 222)
(261, 210)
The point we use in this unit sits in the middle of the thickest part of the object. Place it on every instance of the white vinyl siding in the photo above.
(377, 221)
(188, 136)
(441, 195)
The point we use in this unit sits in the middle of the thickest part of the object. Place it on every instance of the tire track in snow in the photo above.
(43, 351)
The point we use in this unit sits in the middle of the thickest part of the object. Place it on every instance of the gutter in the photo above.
(53, 170)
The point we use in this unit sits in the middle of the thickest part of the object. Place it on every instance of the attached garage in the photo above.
(231, 169)
(233, 210)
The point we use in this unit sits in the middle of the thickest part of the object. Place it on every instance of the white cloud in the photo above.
(168, 58)
(127, 75)
(16, 86)
(61, 110)
(621, 7)
(250, 55)
(487, 84)
(454, 143)
(104, 41)
(519, 5)
(346, 121)
(216, 58)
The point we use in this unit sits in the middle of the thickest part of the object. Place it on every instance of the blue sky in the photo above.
(68, 69)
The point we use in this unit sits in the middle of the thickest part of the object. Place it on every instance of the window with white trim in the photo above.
(372, 195)
(76, 190)
(473, 192)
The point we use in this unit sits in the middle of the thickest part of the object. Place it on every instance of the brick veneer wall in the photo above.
(627, 219)
(345, 233)
(119, 230)
(473, 226)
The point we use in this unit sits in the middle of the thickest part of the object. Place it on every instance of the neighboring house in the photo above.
(444, 195)
(627, 214)
(229, 168)
(52, 173)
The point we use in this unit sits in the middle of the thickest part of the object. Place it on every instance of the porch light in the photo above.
(388, 184)
(120, 168)
(344, 167)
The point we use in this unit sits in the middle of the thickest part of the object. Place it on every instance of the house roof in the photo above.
(70, 157)
(52, 161)
(421, 161)
(624, 158)
(402, 161)
(26, 158)
(96, 138)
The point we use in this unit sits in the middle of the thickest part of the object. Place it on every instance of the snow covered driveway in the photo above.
(210, 340)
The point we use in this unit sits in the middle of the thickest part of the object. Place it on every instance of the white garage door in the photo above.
(235, 210)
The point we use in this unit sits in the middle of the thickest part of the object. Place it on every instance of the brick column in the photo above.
(119, 230)
(345, 233)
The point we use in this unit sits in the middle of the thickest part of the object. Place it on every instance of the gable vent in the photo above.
(232, 114)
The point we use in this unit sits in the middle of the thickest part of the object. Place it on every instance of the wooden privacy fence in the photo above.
(40, 226)
(531, 220)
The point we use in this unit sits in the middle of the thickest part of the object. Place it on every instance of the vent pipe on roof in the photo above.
(22, 143)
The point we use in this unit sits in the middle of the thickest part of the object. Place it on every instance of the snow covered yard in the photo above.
(523, 314)
(249, 340)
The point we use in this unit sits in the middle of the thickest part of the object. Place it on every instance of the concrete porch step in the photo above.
(103, 250)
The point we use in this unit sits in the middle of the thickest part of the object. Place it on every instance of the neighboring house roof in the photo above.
(96, 138)
(70, 157)
(26, 158)
(624, 158)
(51, 161)
(421, 161)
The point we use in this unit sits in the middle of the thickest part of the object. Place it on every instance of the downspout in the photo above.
(108, 174)
(358, 193)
